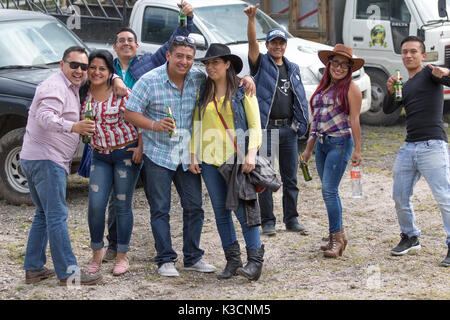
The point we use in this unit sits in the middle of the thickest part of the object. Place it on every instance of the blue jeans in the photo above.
(217, 189)
(112, 225)
(331, 161)
(429, 159)
(158, 192)
(288, 161)
(47, 184)
(115, 171)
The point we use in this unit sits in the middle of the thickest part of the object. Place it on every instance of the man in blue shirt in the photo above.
(166, 157)
(131, 67)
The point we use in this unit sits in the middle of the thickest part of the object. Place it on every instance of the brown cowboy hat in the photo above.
(340, 49)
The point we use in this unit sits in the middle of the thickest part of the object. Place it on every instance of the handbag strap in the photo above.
(226, 128)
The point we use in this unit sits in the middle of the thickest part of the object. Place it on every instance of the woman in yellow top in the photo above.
(212, 145)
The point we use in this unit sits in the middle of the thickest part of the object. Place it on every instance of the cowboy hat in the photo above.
(340, 49)
(217, 50)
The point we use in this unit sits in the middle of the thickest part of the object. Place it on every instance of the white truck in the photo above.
(222, 21)
(375, 29)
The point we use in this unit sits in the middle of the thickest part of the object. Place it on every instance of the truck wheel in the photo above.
(380, 96)
(13, 183)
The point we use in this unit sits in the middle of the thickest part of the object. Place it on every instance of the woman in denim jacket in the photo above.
(212, 145)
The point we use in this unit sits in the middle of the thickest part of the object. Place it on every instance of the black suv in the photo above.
(32, 45)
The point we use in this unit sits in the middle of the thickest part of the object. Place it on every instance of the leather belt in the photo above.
(280, 122)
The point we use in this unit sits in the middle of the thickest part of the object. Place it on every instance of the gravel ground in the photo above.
(294, 267)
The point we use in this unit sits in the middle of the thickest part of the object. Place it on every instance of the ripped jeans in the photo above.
(115, 170)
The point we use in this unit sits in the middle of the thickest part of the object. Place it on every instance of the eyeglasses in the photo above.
(344, 65)
(75, 65)
(187, 40)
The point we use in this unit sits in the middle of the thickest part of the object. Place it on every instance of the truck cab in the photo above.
(375, 29)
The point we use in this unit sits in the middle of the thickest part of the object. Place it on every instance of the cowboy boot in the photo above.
(328, 245)
(233, 257)
(337, 245)
(253, 268)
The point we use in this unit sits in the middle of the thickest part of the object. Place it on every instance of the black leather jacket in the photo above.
(241, 187)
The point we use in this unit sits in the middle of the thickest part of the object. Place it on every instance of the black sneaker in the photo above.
(446, 261)
(406, 244)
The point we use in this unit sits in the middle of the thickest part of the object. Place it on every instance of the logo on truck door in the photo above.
(378, 34)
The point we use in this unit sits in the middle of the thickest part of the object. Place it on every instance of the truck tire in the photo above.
(13, 183)
(380, 96)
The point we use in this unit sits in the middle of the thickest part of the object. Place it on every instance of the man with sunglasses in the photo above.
(131, 67)
(175, 84)
(51, 139)
(284, 114)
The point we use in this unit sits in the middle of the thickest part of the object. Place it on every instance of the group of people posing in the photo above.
(219, 127)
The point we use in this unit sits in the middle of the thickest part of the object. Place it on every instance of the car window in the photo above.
(33, 42)
(229, 22)
(159, 24)
(381, 8)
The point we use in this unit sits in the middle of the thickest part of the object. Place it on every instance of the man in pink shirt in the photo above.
(51, 139)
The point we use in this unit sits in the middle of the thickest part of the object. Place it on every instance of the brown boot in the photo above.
(337, 245)
(328, 245)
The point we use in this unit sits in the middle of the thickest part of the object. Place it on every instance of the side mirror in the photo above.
(200, 41)
(442, 7)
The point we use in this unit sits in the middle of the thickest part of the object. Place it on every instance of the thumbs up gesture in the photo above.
(439, 72)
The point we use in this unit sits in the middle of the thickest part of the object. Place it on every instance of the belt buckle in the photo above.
(278, 122)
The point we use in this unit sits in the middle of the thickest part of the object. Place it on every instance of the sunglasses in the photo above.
(344, 65)
(187, 40)
(75, 65)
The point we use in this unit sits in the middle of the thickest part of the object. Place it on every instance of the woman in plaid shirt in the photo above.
(335, 106)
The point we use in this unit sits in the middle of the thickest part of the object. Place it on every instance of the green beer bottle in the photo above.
(172, 133)
(182, 17)
(305, 170)
(88, 115)
(398, 86)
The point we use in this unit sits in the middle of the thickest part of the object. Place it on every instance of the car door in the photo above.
(378, 28)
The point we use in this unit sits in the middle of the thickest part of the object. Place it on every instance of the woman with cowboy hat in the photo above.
(335, 106)
(224, 115)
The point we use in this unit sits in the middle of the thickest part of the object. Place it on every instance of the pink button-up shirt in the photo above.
(54, 110)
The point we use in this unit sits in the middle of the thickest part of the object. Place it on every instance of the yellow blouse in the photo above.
(215, 146)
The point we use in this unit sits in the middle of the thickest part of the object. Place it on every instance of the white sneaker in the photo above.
(201, 266)
(168, 270)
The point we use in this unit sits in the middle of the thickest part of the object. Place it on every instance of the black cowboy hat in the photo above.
(217, 50)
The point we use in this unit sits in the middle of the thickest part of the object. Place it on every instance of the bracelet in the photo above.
(153, 122)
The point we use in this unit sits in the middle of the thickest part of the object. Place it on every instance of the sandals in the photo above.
(94, 267)
(120, 269)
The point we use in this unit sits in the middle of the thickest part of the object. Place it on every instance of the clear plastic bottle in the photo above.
(355, 176)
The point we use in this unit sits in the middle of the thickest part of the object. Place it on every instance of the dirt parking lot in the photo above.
(294, 267)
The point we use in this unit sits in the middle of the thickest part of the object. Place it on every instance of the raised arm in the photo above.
(253, 46)
(149, 61)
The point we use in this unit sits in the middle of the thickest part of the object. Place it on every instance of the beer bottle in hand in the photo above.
(88, 115)
(173, 132)
(398, 87)
(182, 17)
(305, 170)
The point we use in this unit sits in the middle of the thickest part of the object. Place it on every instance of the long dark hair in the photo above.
(232, 85)
(109, 61)
(341, 88)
